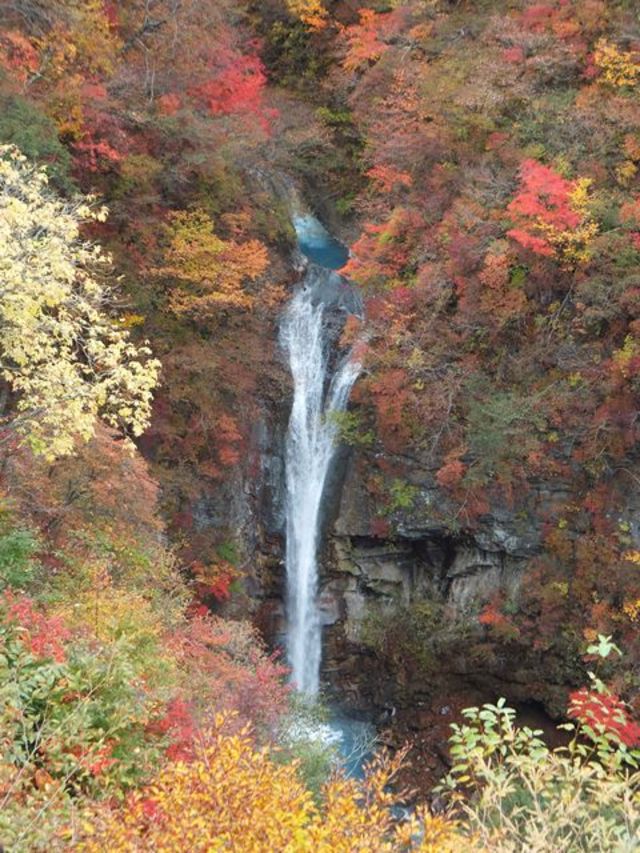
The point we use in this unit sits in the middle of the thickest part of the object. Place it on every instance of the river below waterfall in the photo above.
(322, 380)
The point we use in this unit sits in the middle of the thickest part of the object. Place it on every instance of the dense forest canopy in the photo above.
(482, 160)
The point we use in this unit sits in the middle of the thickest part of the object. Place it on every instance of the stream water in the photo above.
(310, 448)
(317, 244)
(322, 382)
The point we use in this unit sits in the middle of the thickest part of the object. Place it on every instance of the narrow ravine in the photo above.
(311, 441)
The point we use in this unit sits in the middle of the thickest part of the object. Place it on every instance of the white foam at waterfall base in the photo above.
(352, 741)
(310, 230)
(310, 449)
(303, 731)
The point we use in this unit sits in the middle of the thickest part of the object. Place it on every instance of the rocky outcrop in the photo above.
(434, 577)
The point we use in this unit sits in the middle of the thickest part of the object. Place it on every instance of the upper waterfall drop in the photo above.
(311, 441)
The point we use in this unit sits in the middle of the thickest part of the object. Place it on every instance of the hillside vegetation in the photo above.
(487, 156)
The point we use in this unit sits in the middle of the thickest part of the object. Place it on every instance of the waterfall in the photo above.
(309, 451)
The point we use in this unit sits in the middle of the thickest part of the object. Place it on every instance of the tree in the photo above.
(211, 271)
(236, 87)
(365, 39)
(62, 354)
(552, 214)
(311, 12)
(234, 796)
(618, 68)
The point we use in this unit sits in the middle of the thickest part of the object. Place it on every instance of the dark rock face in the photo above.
(446, 575)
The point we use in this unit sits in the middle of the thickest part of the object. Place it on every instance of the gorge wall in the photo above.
(482, 161)
(371, 582)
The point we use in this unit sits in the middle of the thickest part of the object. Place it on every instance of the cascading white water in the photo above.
(310, 448)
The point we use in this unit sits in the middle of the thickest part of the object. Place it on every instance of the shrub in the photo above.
(351, 430)
(35, 134)
(73, 723)
(233, 796)
(412, 634)
(522, 795)
(18, 547)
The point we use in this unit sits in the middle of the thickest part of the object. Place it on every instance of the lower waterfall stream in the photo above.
(321, 389)
(310, 448)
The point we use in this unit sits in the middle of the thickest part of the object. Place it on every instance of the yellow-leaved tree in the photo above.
(211, 272)
(62, 354)
(311, 12)
(234, 796)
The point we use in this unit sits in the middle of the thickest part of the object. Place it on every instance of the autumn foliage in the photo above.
(313, 13)
(107, 671)
(553, 213)
(235, 795)
(604, 713)
(485, 160)
(211, 272)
